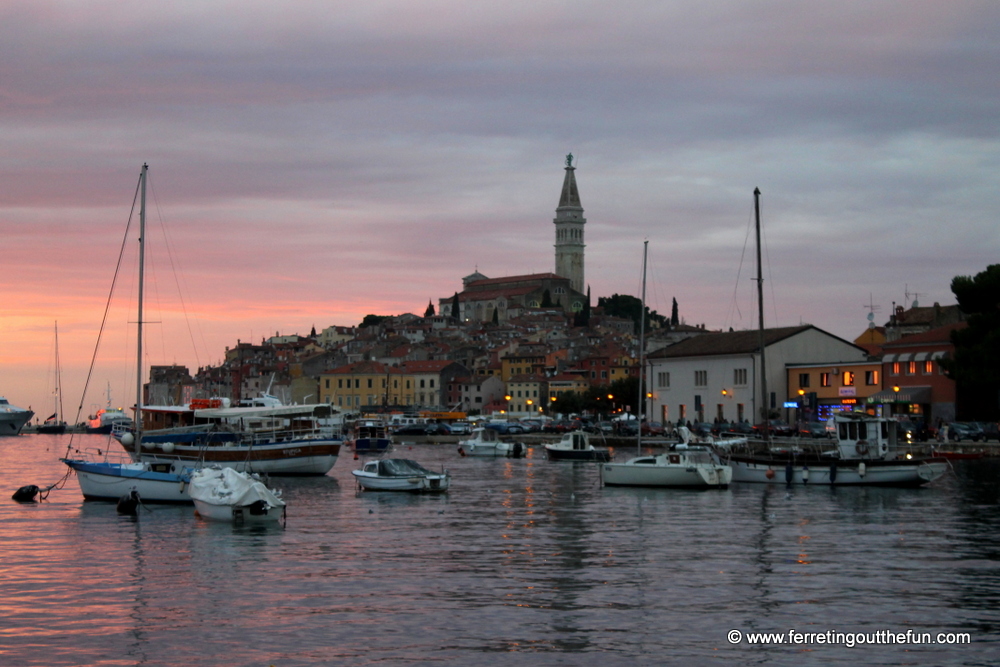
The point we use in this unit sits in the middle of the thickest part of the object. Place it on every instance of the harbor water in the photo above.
(523, 562)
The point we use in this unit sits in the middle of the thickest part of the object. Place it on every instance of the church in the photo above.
(514, 296)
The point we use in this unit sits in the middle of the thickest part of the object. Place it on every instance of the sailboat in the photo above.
(55, 424)
(108, 479)
(868, 452)
(682, 466)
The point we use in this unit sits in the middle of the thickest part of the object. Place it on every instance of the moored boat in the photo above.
(486, 442)
(401, 475)
(223, 494)
(280, 440)
(101, 479)
(868, 453)
(369, 436)
(13, 418)
(695, 467)
(575, 446)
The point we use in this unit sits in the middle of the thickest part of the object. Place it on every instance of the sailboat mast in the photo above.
(138, 346)
(59, 405)
(642, 352)
(765, 409)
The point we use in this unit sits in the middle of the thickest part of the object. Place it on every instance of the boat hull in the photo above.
(914, 472)
(414, 484)
(240, 515)
(302, 457)
(669, 476)
(592, 455)
(155, 483)
(11, 423)
(370, 445)
(511, 450)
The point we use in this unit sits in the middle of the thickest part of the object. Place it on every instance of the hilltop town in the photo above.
(533, 345)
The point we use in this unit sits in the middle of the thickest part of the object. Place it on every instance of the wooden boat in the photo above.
(575, 446)
(223, 494)
(370, 436)
(400, 475)
(279, 440)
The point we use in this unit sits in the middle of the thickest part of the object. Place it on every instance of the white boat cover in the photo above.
(226, 486)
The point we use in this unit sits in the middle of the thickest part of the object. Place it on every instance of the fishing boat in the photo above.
(868, 451)
(102, 476)
(275, 440)
(486, 442)
(13, 418)
(400, 475)
(223, 494)
(575, 446)
(54, 424)
(370, 436)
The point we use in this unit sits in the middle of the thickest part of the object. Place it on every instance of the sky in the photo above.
(314, 162)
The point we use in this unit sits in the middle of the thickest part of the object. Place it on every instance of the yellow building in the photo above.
(837, 386)
(366, 384)
(527, 393)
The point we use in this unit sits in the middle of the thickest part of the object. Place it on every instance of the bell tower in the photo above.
(569, 222)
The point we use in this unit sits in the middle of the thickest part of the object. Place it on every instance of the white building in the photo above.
(717, 375)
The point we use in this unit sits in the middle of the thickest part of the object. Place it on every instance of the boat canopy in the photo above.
(308, 410)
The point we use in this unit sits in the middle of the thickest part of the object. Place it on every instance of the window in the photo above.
(895, 368)
(663, 380)
(327, 383)
(928, 367)
(911, 368)
(340, 383)
(357, 383)
(422, 381)
(369, 383)
(740, 377)
(803, 380)
(824, 379)
(847, 380)
(871, 378)
(700, 379)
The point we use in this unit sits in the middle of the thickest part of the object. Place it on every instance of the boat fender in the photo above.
(461, 451)
(26, 494)
(129, 503)
(769, 474)
(789, 473)
(862, 469)
(805, 474)
(182, 485)
(833, 473)
(168, 447)
(128, 440)
(861, 447)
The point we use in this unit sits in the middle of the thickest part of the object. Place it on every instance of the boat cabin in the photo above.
(862, 436)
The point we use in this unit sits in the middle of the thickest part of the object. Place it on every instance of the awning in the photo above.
(904, 395)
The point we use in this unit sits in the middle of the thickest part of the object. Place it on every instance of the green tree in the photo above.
(454, 306)
(430, 309)
(373, 320)
(976, 364)
(546, 299)
(629, 307)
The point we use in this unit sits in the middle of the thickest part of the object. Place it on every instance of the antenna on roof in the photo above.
(872, 309)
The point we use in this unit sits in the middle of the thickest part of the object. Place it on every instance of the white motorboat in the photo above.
(400, 475)
(223, 494)
(13, 418)
(868, 452)
(487, 442)
(689, 467)
(575, 446)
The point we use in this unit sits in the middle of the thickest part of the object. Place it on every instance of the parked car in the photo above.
(412, 429)
(653, 429)
(701, 428)
(963, 431)
(460, 428)
(990, 431)
(776, 427)
(741, 428)
(814, 430)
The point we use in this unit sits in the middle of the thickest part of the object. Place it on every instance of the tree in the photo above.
(430, 309)
(674, 321)
(496, 316)
(582, 318)
(975, 367)
(546, 299)
(629, 307)
(373, 320)
(455, 311)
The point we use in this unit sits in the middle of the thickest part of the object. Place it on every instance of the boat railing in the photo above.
(106, 455)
